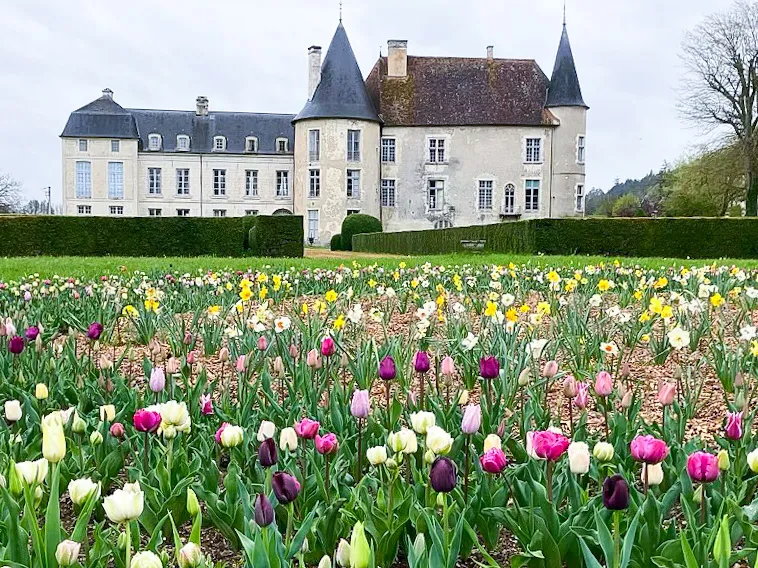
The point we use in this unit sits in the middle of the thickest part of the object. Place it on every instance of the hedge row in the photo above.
(28, 235)
(665, 237)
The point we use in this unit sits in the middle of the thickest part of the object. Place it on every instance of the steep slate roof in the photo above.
(454, 91)
(102, 118)
(564, 84)
(342, 91)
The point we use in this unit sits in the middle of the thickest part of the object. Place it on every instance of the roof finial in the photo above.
(564, 12)
(340, 11)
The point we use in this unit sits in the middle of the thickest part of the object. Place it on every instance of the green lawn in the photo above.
(14, 268)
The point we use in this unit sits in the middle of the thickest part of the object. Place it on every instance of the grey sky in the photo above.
(250, 55)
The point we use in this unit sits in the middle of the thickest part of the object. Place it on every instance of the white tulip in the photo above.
(32, 473)
(266, 430)
(438, 440)
(13, 412)
(579, 458)
(125, 504)
(654, 474)
(80, 490)
(377, 455)
(422, 421)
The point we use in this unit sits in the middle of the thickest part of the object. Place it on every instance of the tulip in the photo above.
(325, 562)
(603, 452)
(32, 473)
(421, 362)
(654, 474)
(438, 441)
(752, 461)
(422, 421)
(278, 368)
(579, 458)
(264, 512)
(569, 387)
(307, 428)
(239, 364)
(313, 360)
(327, 444)
(67, 553)
(262, 343)
(125, 504)
(193, 506)
(294, 351)
(10, 329)
(627, 399)
(16, 345)
(328, 347)
(667, 394)
(13, 412)
(550, 369)
(190, 556)
(266, 430)
(286, 487)
(53, 438)
(176, 415)
(472, 419)
(603, 384)
(191, 358)
(96, 438)
(157, 380)
(206, 404)
(173, 366)
(443, 475)
(649, 450)
(616, 493)
(223, 354)
(146, 559)
(117, 430)
(493, 461)
(80, 490)
(404, 441)
(489, 367)
(376, 455)
(549, 445)
(447, 367)
(387, 371)
(360, 553)
(492, 441)
(524, 377)
(231, 436)
(188, 339)
(31, 333)
(702, 467)
(723, 460)
(360, 406)
(582, 395)
(94, 331)
(288, 440)
(734, 425)
(343, 554)
(146, 420)
(463, 398)
(267, 455)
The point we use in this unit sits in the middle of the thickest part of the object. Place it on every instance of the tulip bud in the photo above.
(343, 554)
(723, 460)
(96, 438)
(79, 490)
(263, 511)
(603, 452)
(463, 398)
(190, 556)
(447, 367)
(223, 355)
(626, 402)
(294, 351)
(107, 413)
(697, 497)
(625, 371)
(569, 387)
(13, 411)
(550, 369)
(164, 558)
(429, 457)
(313, 360)
(739, 400)
(524, 377)
(288, 439)
(78, 426)
(266, 430)
(121, 542)
(40, 391)
(173, 365)
(325, 562)
(187, 338)
(67, 553)
(278, 367)
(360, 552)
(654, 474)
(739, 381)
(53, 438)
(145, 559)
(117, 430)
(193, 506)
(377, 455)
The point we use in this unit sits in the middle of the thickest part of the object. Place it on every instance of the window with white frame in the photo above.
(154, 142)
(182, 212)
(353, 145)
(84, 209)
(314, 145)
(443, 224)
(388, 193)
(251, 212)
(153, 212)
(115, 146)
(485, 194)
(251, 183)
(509, 199)
(117, 209)
(314, 183)
(219, 212)
(251, 144)
(354, 184)
(83, 145)
(183, 143)
(313, 224)
(154, 181)
(532, 195)
(580, 149)
(282, 145)
(219, 183)
(115, 180)
(83, 180)
(533, 150)
(282, 183)
(579, 207)
(182, 181)
(219, 143)
(437, 149)
(436, 188)
(388, 150)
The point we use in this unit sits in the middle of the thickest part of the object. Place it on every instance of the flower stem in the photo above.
(617, 538)
(359, 473)
(290, 524)
(703, 504)
(549, 481)
(128, 553)
(465, 470)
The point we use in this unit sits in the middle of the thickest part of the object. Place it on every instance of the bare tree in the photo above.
(10, 193)
(721, 88)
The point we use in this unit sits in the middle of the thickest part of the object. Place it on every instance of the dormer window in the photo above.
(219, 143)
(282, 145)
(251, 144)
(183, 143)
(154, 142)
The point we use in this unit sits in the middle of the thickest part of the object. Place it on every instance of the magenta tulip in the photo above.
(703, 467)
(387, 370)
(307, 428)
(327, 444)
(31, 333)
(649, 450)
(734, 425)
(489, 367)
(421, 363)
(94, 331)
(493, 461)
(328, 347)
(206, 404)
(16, 345)
(146, 420)
(549, 445)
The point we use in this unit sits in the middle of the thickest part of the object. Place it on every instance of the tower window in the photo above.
(115, 180)
(115, 146)
(388, 150)
(314, 145)
(314, 183)
(83, 145)
(354, 184)
(579, 208)
(580, 149)
(533, 150)
(353, 145)
(83, 180)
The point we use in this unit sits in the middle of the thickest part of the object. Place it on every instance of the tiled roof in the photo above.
(564, 84)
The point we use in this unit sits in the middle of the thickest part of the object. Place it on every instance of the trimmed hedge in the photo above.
(336, 242)
(643, 237)
(52, 235)
(277, 236)
(356, 224)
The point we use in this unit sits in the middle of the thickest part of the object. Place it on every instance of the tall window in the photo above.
(353, 145)
(251, 183)
(219, 182)
(182, 142)
(532, 194)
(219, 212)
(313, 224)
(82, 145)
(115, 146)
(436, 150)
(314, 182)
(251, 144)
(388, 193)
(388, 150)
(83, 180)
(182, 212)
(282, 183)
(485, 194)
(314, 145)
(154, 142)
(533, 150)
(219, 143)
(84, 209)
(354, 184)
(115, 180)
(579, 208)
(182, 181)
(509, 202)
(282, 145)
(580, 149)
(435, 194)
(154, 212)
(154, 181)
(117, 209)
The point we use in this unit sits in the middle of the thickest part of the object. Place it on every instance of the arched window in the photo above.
(443, 224)
(509, 199)
(282, 212)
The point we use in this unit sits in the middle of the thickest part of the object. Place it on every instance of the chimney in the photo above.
(202, 106)
(397, 58)
(314, 69)
(107, 93)
(490, 52)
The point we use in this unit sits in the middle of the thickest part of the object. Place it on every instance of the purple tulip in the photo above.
(31, 333)
(616, 493)
(286, 487)
(264, 512)
(443, 475)
(387, 371)
(489, 368)
(421, 363)
(267, 455)
(16, 345)
(94, 331)
(157, 380)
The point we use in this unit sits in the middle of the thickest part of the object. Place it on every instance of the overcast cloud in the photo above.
(250, 55)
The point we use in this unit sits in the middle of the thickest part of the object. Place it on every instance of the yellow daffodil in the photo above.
(130, 311)
(604, 285)
(553, 277)
(717, 300)
(330, 296)
(245, 294)
(339, 323)
(262, 293)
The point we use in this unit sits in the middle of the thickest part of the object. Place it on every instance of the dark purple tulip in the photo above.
(443, 475)
(31, 333)
(94, 331)
(16, 344)
(489, 368)
(421, 362)
(267, 455)
(264, 512)
(387, 371)
(286, 487)
(616, 493)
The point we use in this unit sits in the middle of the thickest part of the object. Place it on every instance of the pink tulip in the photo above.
(360, 405)
(117, 430)
(734, 425)
(569, 387)
(307, 428)
(550, 369)
(206, 404)
(262, 343)
(703, 467)
(294, 351)
(667, 394)
(191, 358)
(313, 360)
(157, 380)
(549, 445)
(472, 419)
(146, 420)
(172, 366)
(448, 366)
(327, 444)
(223, 354)
(239, 364)
(328, 347)
(649, 450)
(603, 384)
(582, 395)
(493, 461)
(221, 431)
